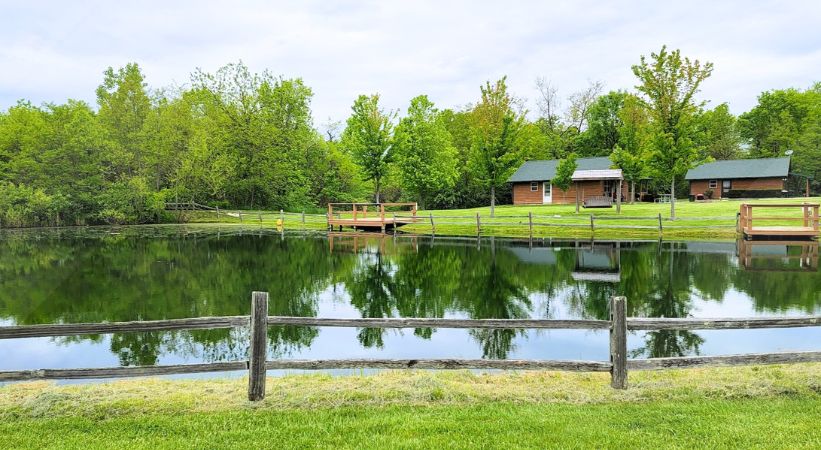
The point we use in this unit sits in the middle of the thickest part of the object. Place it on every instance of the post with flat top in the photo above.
(382, 216)
(530, 223)
(432, 225)
(618, 343)
(259, 346)
(478, 226)
(661, 230)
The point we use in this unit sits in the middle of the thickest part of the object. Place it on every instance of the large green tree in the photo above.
(668, 84)
(496, 125)
(424, 153)
(368, 137)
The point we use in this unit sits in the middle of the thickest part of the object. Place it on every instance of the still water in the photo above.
(165, 272)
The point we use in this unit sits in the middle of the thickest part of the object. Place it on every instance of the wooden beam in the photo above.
(725, 360)
(618, 343)
(721, 324)
(505, 364)
(441, 323)
(74, 329)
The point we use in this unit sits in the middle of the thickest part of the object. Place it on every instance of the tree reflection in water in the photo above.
(148, 273)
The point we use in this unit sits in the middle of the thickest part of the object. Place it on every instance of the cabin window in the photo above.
(713, 184)
(726, 185)
(534, 186)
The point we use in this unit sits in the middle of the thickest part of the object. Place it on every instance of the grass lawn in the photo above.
(702, 220)
(772, 407)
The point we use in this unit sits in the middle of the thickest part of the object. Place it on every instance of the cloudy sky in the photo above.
(51, 51)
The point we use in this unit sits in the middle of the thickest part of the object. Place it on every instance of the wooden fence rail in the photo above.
(618, 325)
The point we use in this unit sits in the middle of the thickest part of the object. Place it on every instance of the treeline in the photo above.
(238, 139)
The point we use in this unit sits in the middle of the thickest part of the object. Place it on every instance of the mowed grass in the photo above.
(750, 407)
(702, 220)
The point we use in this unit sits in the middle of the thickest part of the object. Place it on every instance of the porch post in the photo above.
(618, 198)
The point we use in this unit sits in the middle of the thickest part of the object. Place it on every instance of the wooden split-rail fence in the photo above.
(618, 325)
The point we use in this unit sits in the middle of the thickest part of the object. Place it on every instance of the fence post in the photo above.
(218, 212)
(432, 225)
(260, 217)
(661, 230)
(259, 346)
(530, 223)
(618, 343)
(240, 217)
(303, 220)
(478, 226)
(592, 227)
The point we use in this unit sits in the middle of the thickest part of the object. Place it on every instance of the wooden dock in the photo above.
(355, 215)
(809, 219)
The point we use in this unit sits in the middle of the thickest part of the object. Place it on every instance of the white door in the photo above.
(548, 193)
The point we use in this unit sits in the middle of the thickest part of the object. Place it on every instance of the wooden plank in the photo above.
(439, 323)
(120, 372)
(73, 329)
(724, 360)
(259, 346)
(509, 364)
(618, 343)
(635, 323)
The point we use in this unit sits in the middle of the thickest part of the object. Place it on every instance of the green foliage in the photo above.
(668, 84)
(424, 154)
(720, 136)
(368, 138)
(564, 172)
(496, 127)
(787, 119)
(604, 123)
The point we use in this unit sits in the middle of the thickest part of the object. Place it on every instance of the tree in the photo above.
(604, 122)
(721, 139)
(564, 175)
(787, 119)
(124, 106)
(368, 138)
(631, 151)
(668, 84)
(496, 126)
(423, 152)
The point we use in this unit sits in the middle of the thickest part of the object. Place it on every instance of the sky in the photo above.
(53, 51)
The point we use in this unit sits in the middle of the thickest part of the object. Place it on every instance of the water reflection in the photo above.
(173, 272)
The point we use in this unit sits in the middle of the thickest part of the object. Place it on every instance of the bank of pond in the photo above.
(166, 272)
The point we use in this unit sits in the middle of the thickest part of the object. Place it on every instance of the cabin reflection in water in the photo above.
(778, 256)
(593, 261)
(347, 242)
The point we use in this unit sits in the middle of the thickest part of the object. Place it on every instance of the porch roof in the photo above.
(598, 174)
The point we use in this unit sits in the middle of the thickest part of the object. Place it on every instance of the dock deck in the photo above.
(379, 220)
(809, 219)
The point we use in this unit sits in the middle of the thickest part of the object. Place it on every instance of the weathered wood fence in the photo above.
(618, 325)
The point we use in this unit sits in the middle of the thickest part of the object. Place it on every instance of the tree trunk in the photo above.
(632, 192)
(673, 199)
(377, 190)
(492, 201)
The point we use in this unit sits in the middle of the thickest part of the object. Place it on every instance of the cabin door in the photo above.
(548, 193)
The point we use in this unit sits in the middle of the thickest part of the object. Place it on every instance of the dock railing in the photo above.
(809, 219)
(258, 364)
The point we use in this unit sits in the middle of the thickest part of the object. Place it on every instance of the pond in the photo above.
(166, 272)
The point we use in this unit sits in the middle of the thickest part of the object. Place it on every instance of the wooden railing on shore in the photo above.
(809, 219)
(618, 325)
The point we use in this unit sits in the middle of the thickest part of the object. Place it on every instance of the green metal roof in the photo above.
(741, 168)
(546, 169)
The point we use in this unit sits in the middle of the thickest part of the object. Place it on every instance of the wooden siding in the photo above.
(742, 184)
(522, 195)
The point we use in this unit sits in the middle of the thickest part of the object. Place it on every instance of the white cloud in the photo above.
(53, 51)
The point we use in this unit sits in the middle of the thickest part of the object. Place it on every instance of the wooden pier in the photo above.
(809, 219)
(355, 215)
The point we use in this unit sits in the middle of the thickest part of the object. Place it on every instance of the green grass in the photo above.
(749, 407)
(702, 220)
